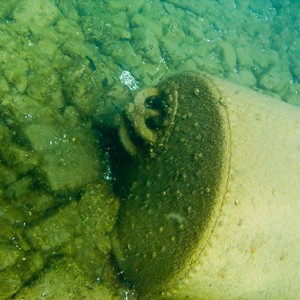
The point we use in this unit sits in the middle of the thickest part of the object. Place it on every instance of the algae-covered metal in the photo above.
(169, 191)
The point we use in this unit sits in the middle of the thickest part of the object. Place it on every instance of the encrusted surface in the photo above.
(167, 197)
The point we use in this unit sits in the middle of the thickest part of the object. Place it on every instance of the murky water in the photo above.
(68, 69)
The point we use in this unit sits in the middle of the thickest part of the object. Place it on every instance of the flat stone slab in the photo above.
(69, 158)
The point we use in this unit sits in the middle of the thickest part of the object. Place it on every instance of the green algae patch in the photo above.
(68, 161)
(53, 203)
(79, 231)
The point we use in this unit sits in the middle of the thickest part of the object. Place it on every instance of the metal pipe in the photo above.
(214, 214)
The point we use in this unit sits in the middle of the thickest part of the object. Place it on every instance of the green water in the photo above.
(66, 68)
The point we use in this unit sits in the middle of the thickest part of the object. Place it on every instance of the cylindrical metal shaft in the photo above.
(215, 213)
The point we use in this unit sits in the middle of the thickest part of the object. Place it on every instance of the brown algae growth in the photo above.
(168, 192)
